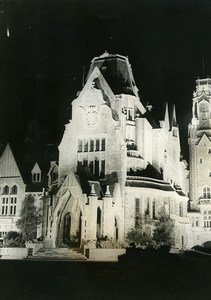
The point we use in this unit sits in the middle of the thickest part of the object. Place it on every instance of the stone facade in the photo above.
(114, 161)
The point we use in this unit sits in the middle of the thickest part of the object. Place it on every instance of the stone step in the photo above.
(57, 254)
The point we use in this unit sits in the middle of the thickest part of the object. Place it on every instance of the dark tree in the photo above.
(163, 234)
(138, 235)
(29, 219)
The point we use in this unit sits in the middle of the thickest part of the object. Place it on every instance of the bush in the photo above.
(14, 239)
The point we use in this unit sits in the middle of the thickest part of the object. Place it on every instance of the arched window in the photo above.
(6, 190)
(14, 189)
(153, 210)
(206, 193)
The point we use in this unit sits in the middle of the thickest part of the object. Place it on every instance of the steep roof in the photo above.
(8, 165)
(117, 72)
(31, 156)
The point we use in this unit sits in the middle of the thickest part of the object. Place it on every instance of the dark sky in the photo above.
(41, 63)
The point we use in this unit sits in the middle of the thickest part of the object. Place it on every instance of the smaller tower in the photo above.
(200, 143)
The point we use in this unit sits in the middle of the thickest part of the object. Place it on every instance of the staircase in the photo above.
(72, 254)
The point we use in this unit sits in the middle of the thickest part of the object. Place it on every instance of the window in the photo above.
(197, 223)
(137, 206)
(80, 146)
(91, 147)
(36, 177)
(153, 209)
(209, 151)
(206, 193)
(103, 145)
(102, 173)
(97, 145)
(209, 173)
(14, 189)
(85, 146)
(90, 155)
(130, 114)
(181, 209)
(200, 160)
(6, 190)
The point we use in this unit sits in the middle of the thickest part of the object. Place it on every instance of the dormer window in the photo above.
(36, 177)
(36, 173)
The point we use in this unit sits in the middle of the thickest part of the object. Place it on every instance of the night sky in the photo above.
(41, 62)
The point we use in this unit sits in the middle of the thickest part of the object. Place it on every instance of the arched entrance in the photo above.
(116, 229)
(98, 233)
(66, 229)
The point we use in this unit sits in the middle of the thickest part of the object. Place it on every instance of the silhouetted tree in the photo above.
(163, 234)
(138, 235)
(29, 219)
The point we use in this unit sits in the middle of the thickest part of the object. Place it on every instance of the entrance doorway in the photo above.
(116, 229)
(66, 229)
(98, 222)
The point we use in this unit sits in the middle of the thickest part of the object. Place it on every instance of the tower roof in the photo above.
(117, 71)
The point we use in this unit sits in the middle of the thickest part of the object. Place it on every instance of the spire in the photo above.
(166, 118)
(174, 118)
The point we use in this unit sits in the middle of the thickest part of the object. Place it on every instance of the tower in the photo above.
(200, 144)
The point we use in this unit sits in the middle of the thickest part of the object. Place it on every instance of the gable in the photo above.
(204, 140)
(8, 165)
(97, 91)
(36, 169)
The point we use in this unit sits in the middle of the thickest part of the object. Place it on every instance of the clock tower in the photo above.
(200, 145)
